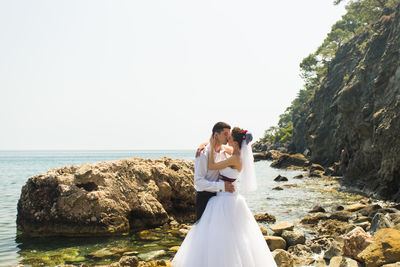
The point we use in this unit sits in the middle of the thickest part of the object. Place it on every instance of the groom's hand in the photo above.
(201, 148)
(229, 187)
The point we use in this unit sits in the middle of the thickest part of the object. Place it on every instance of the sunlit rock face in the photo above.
(107, 198)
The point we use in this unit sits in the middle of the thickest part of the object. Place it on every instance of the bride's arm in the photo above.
(212, 165)
(228, 149)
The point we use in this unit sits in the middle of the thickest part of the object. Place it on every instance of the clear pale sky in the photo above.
(151, 74)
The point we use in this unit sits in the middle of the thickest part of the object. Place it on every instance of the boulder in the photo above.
(275, 242)
(341, 215)
(379, 222)
(293, 238)
(355, 242)
(334, 249)
(279, 227)
(385, 248)
(339, 261)
(107, 198)
(296, 161)
(280, 178)
(354, 207)
(265, 218)
(314, 219)
(283, 258)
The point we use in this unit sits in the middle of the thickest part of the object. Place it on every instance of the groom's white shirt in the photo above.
(205, 179)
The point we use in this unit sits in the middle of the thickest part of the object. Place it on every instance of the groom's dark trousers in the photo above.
(202, 198)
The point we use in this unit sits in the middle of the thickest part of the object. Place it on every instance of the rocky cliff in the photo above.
(354, 116)
(107, 198)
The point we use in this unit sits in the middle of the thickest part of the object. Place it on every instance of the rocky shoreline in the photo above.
(366, 233)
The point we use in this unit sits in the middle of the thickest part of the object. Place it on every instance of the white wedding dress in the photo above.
(227, 235)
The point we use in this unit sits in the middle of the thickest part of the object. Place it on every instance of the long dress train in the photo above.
(227, 235)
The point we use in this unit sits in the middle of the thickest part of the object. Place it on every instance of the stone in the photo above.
(317, 209)
(151, 255)
(397, 264)
(268, 218)
(107, 198)
(275, 242)
(316, 167)
(283, 258)
(264, 230)
(279, 227)
(334, 249)
(339, 261)
(331, 227)
(354, 207)
(341, 215)
(293, 238)
(280, 178)
(385, 248)
(369, 209)
(131, 261)
(355, 242)
(314, 219)
(300, 176)
(300, 250)
(277, 188)
(379, 222)
(174, 249)
(296, 161)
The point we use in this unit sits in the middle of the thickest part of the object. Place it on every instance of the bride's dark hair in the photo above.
(238, 135)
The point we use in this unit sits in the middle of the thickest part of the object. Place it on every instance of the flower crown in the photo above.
(244, 134)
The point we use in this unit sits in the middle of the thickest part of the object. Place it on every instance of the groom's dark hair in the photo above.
(220, 126)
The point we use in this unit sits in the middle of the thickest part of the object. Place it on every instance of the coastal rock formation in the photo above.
(107, 198)
(353, 119)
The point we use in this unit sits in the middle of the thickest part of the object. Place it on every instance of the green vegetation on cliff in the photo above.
(360, 14)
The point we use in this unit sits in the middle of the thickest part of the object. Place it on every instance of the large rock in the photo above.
(296, 161)
(275, 242)
(279, 227)
(385, 248)
(339, 261)
(283, 258)
(379, 222)
(293, 238)
(353, 116)
(107, 198)
(355, 242)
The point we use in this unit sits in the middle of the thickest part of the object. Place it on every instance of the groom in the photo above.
(206, 181)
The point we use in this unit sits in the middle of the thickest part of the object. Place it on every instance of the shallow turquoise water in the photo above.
(16, 167)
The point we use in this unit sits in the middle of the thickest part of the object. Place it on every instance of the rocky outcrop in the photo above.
(107, 198)
(353, 119)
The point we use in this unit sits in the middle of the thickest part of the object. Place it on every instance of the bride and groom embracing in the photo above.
(226, 233)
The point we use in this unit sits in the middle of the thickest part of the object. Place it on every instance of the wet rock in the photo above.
(300, 250)
(316, 174)
(275, 242)
(296, 161)
(283, 258)
(303, 261)
(259, 156)
(268, 218)
(264, 230)
(334, 249)
(354, 207)
(149, 256)
(339, 261)
(369, 209)
(341, 215)
(319, 263)
(362, 219)
(279, 227)
(385, 248)
(379, 222)
(364, 225)
(131, 261)
(317, 209)
(289, 185)
(316, 167)
(174, 249)
(280, 178)
(277, 188)
(107, 198)
(314, 219)
(300, 176)
(355, 242)
(397, 264)
(109, 252)
(331, 227)
(293, 238)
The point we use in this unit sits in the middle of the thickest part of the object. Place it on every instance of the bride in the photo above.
(227, 234)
